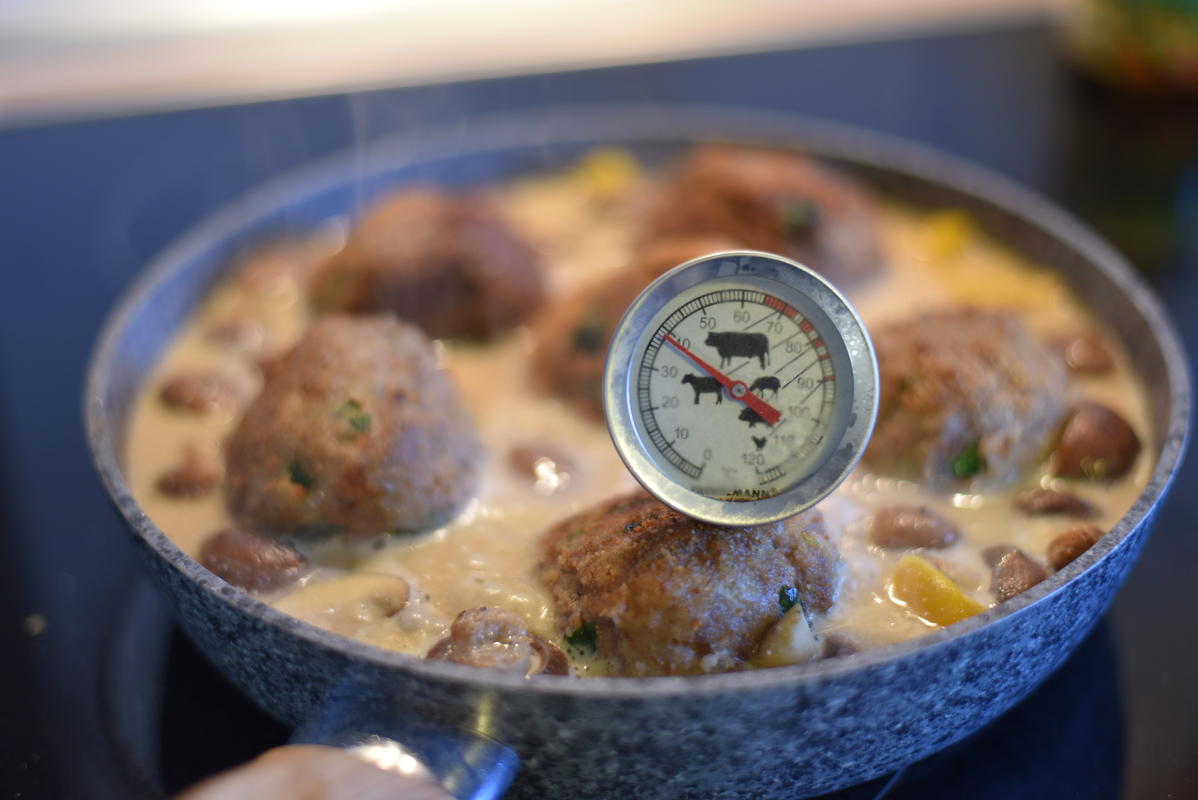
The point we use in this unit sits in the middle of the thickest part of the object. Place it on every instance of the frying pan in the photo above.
(790, 731)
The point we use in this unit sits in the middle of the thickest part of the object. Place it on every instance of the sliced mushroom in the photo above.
(198, 474)
(251, 561)
(494, 638)
(1072, 543)
(1085, 353)
(912, 526)
(1042, 502)
(1013, 572)
(198, 392)
(1096, 443)
(238, 334)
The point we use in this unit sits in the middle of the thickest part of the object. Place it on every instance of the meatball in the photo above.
(494, 638)
(572, 338)
(358, 430)
(449, 264)
(667, 594)
(776, 201)
(661, 255)
(964, 394)
(573, 335)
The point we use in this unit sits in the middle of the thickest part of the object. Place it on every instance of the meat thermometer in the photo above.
(740, 388)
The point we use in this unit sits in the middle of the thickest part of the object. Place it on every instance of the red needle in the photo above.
(736, 389)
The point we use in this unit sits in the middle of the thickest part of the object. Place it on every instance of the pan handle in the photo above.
(315, 771)
(371, 745)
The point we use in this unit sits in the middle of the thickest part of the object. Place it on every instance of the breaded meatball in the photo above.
(450, 264)
(357, 430)
(661, 255)
(776, 201)
(669, 595)
(965, 394)
(573, 334)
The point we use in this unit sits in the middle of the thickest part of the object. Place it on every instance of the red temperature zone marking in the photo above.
(781, 307)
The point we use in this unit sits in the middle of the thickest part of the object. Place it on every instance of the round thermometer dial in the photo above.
(740, 388)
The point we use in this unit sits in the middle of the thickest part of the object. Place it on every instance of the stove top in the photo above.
(105, 697)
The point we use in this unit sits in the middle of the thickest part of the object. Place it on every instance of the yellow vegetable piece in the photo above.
(929, 593)
(946, 233)
(608, 171)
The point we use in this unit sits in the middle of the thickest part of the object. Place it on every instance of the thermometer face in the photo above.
(740, 388)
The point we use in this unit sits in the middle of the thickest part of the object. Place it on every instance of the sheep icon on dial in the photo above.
(740, 388)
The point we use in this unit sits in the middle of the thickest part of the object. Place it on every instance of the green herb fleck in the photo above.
(352, 414)
(787, 597)
(799, 218)
(300, 475)
(583, 636)
(968, 463)
(591, 335)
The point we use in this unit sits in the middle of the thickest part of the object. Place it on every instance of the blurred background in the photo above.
(123, 123)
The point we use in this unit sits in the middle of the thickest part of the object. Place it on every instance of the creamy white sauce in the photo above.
(487, 554)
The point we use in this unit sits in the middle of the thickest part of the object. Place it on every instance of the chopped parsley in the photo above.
(299, 474)
(591, 335)
(787, 597)
(969, 462)
(799, 218)
(357, 420)
(583, 636)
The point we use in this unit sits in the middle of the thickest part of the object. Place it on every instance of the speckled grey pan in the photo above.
(770, 733)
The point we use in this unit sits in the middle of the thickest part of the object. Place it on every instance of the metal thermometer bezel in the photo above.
(850, 349)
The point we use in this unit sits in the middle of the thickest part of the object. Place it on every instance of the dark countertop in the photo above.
(104, 701)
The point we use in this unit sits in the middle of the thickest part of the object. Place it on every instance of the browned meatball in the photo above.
(253, 562)
(357, 429)
(965, 394)
(776, 201)
(668, 595)
(661, 255)
(494, 638)
(1096, 443)
(572, 338)
(573, 334)
(449, 264)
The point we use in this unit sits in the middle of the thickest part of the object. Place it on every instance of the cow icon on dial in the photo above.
(740, 388)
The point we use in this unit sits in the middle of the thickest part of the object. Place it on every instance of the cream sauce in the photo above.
(487, 554)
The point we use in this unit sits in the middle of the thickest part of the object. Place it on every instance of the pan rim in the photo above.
(645, 123)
